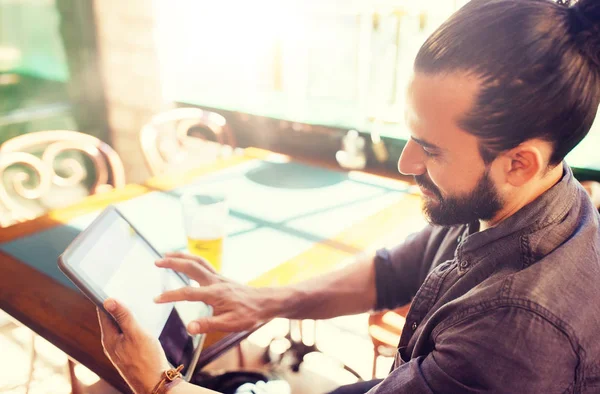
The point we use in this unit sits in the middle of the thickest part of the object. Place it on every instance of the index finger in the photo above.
(189, 267)
(186, 294)
(205, 264)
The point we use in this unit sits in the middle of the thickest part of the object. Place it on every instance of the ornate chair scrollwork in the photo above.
(48, 169)
(182, 138)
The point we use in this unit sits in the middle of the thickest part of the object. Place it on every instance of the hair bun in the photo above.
(584, 22)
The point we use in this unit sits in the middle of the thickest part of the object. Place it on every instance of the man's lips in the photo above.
(426, 192)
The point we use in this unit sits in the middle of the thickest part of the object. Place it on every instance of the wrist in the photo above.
(280, 302)
(170, 387)
(183, 387)
(268, 300)
(144, 384)
(166, 381)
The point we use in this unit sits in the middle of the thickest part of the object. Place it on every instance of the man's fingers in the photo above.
(186, 294)
(205, 264)
(211, 324)
(191, 268)
(122, 316)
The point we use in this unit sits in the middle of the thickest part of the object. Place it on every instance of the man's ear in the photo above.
(523, 163)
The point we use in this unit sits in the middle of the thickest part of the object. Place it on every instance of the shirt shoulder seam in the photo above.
(526, 305)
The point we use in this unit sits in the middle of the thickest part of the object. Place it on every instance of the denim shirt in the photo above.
(512, 309)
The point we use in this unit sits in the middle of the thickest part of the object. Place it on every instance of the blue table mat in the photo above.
(277, 211)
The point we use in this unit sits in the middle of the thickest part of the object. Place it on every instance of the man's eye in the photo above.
(429, 153)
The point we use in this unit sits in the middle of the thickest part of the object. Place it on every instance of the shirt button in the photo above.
(464, 264)
(459, 239)
(414, 325)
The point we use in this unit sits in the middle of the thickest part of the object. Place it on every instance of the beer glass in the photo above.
(205, 219)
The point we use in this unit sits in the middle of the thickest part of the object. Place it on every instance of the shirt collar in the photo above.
(549, 207)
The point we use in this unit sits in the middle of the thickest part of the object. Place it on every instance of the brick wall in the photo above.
(130, 73)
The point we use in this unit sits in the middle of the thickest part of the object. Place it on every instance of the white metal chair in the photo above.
(184, 138)
(46, 170)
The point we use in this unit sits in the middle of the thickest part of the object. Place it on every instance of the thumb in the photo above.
(122, 315)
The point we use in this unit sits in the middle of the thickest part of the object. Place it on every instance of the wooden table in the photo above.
(68, 320)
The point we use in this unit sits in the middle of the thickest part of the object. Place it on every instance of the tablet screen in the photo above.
(115, 261)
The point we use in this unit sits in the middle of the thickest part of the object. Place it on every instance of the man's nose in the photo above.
(412, 159)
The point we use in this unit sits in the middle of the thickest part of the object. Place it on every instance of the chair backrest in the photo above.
(49, 169)
(385, 327)
(593, 189)
(192, 135)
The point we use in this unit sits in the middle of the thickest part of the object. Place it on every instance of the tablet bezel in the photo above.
(89, 288)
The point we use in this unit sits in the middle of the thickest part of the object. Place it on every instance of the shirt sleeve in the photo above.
(507, 350)
(398, 270)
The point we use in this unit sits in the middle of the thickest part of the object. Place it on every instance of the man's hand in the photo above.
(236, 307)
(138, 357)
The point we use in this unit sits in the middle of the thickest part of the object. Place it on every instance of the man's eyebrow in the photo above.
(425, 144)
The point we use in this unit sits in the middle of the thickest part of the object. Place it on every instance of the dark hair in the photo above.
(539, 63)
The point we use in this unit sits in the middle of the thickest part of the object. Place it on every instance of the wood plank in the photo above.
(62, 316)
(68, 319)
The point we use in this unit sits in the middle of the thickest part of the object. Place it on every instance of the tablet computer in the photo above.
(111, 258)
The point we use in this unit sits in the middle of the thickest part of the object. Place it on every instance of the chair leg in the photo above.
(75, 387)
(240, 353)
(32, 357)
(375, 357)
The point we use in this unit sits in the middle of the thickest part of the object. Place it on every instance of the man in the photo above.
(504, 283)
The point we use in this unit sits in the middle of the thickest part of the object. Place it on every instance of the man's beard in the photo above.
(482, 203)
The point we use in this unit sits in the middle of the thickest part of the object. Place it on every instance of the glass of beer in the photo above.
(205, 219)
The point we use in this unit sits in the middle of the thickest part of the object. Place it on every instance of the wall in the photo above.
(130, 72)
